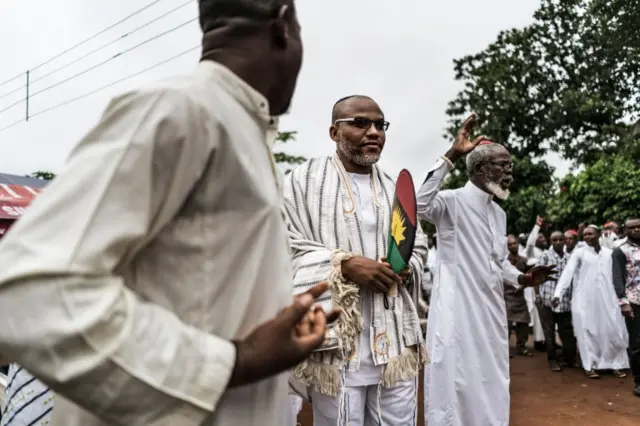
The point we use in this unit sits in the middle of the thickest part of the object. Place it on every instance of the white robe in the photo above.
(467, 380)
(597, 321)
(533, 253)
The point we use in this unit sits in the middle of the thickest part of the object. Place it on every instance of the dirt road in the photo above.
(540, 397)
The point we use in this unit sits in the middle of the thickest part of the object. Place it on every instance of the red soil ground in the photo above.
(540, 397)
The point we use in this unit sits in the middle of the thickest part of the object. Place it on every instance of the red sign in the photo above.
(14, 199)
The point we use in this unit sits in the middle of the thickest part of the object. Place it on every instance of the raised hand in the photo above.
(463, 143)
(539, 275)
(283, 342)
(539, 221)
(375, 275)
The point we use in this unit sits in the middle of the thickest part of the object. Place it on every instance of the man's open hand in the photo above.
(539, 275)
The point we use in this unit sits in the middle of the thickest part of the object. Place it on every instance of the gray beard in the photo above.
(497, 190)
(356, 157)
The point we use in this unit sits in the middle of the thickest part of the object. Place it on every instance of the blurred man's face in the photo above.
(632, 229)
(541, 241)
(512, 245)
(590, 236)
(557, 241)
(570, 240)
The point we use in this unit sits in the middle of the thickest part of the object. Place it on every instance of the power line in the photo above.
(126, 18)
(68, 64)
(77, 98)
(117, 55)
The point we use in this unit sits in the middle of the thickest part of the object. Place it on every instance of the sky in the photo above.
(400, 53)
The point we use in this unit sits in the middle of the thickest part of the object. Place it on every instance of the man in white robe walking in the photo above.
(536, 245)
(467, 379)
(136, 286)
(338, 213)
(597, 321)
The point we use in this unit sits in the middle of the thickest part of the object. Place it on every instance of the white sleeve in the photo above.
(431, 204)
(67, 315)
(566, 277)
(531, 242)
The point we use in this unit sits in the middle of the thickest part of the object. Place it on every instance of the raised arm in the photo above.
(531, 240)
(68, 316)
(431, 204)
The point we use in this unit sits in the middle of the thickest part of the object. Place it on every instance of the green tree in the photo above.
(607, 190)
(283, 158)
(569, 82)
(41, 174)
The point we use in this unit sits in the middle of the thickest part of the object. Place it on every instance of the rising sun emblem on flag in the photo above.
(397, 225)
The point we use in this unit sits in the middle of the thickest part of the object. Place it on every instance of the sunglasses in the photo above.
(365, 123)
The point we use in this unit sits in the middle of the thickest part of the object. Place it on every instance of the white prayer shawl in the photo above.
(467, 379)
(323, 230)
(597, 321)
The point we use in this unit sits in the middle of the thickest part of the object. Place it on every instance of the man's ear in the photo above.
(280, 27)
(333, 133)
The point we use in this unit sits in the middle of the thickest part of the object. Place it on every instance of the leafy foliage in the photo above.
(569, 82)
(283, 158)
(41, 174)
(607, 190)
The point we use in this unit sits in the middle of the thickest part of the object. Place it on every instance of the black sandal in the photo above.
(525, 352)
(555, 366)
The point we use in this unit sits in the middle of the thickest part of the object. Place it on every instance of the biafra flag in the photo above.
(402, 233)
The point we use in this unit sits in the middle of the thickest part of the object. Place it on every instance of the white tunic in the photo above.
(597, 321)
(467, 381)
(368, 372)
(161, 240)
(533, 253)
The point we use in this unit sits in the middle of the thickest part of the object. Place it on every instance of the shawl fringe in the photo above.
(326, 378)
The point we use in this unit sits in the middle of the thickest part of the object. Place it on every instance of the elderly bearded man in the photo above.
(338, 210)
(467, 380)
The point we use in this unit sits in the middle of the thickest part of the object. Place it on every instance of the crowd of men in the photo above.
(588, 313)
(188, 283)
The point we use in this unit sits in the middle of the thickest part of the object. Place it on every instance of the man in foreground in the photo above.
(626, 280)
(338, 212)
(136, 285)
(560, 315)
(597, 322)
(467, 380)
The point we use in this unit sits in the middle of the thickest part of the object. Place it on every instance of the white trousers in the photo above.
(368, 406)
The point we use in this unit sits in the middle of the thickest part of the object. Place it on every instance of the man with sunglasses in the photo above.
(467, 380)
(338, 211)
